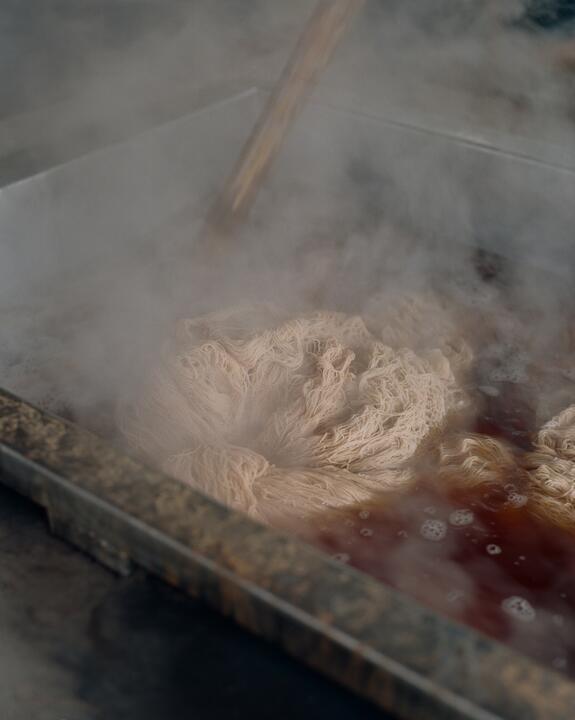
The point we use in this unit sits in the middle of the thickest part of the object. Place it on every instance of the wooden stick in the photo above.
(312, 53)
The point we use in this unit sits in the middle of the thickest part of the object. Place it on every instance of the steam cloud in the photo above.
(336, 202)
(350, 208)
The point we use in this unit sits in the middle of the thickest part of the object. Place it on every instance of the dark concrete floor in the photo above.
(79, 643)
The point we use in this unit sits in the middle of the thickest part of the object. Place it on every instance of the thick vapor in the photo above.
(328, 223)
(92, 282)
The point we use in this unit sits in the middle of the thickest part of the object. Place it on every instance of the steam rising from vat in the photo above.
(342, 217)
(339, 217)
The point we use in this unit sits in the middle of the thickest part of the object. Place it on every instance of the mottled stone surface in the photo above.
(362, 633)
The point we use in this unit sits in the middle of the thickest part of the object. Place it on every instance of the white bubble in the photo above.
(401, 534)
(454, 596)
(519, 608)
(434, 530)
(349, 523)
(563, 595)
(430, 510)
(461, 517)
(516, 499)
(366, 532)
(363, 514)
(493, 549)
(558, 620)
(341, 557)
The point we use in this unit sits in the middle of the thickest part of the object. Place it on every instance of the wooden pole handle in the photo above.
(311, 55)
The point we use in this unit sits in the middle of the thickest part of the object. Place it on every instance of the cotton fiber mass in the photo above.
(282, 416)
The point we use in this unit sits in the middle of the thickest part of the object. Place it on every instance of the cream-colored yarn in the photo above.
(466, 462)
(274, 415)
(546, 475)
(420, 321)
(551, 469)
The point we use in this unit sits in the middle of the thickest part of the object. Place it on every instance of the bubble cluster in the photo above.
(516, 499)
(519, 608)
(434, 530)
(461, 517)
(493, 549)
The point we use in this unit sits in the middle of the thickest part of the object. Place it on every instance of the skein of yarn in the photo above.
(544, 478)
(551, 468)
(284, 416)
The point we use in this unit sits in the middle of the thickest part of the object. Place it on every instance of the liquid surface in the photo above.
(477, 556)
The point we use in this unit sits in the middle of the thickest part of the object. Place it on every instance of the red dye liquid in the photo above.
(476, 556)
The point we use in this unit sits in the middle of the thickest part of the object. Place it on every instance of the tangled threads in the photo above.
(469, 461)
(278, 415)
(421, 321)
(544, 478)
(551, 468)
